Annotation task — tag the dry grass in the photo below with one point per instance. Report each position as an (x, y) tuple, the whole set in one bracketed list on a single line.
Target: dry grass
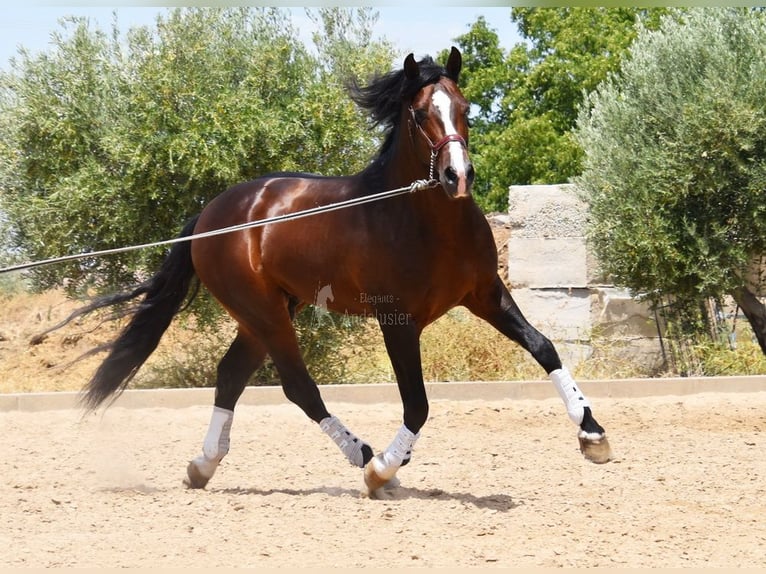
[(28, 367), (461, 347), (458, 347)]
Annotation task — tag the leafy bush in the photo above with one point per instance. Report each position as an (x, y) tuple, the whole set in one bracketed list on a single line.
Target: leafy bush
[(675, 163), (109, 140)]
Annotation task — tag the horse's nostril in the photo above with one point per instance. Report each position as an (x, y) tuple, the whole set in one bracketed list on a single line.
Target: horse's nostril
[(450, 174), (470, 173)]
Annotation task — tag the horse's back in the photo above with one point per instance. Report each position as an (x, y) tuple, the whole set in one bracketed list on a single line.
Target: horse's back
[(284, 255)]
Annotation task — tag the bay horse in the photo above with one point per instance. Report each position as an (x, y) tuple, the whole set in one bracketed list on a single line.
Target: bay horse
[(405, 261)]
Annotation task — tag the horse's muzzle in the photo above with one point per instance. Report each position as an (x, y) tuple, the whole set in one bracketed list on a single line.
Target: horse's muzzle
[(457, 180)]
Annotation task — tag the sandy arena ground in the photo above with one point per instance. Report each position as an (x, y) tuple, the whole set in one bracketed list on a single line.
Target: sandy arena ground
[(492, 483)]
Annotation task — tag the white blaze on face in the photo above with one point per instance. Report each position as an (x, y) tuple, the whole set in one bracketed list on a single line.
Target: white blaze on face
[(457, 156)]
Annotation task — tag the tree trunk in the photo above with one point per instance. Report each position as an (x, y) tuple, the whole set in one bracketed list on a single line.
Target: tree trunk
[(755, 311)]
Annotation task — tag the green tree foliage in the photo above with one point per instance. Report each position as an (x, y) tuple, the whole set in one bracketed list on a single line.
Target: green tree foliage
[(675, 164), (345, 44), (346, 51), (526, 99), (111, 140)]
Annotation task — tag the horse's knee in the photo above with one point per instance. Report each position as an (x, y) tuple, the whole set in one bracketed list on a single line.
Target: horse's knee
[(295, 395)]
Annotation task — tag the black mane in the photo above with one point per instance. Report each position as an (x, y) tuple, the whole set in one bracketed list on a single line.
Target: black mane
[(382, 98)]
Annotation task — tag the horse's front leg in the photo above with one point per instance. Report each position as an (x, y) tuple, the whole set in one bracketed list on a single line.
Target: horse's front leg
[(497, 307), (402, 339)]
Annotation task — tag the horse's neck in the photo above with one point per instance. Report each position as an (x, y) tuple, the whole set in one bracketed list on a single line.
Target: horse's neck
[(399, 168)]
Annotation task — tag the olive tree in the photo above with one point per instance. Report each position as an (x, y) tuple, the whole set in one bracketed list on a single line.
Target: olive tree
[(675, 161), (114, 139)]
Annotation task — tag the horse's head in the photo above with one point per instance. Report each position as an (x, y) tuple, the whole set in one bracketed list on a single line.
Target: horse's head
[(437, 119)]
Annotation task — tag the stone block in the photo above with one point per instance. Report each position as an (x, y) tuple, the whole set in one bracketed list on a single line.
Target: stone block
[(546, 263), (546, 211), (560, 314), (616, 314), (558, 283)]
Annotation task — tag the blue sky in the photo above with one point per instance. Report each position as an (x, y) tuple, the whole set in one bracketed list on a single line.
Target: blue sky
[(422, 30)]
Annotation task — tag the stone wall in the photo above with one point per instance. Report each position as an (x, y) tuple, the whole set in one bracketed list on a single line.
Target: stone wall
[(557, 284)]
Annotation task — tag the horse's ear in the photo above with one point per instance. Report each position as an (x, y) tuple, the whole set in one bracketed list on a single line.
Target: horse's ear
[(454, 64), (411, 68)]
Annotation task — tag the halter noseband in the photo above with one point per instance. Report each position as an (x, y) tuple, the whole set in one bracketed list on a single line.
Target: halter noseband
[(435, 147)]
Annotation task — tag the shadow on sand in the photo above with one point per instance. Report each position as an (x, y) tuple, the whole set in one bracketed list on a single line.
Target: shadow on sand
[(498, 502)]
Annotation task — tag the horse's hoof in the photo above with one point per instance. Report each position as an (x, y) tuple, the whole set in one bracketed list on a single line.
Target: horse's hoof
[(194, 478), (595, 450), (385, 492), (374, 479)]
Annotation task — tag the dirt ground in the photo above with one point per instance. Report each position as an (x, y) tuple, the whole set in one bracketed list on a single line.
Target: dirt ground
[(491, 484)]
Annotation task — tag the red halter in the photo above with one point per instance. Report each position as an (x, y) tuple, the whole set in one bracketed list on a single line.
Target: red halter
[(445, 140), (435, 147)]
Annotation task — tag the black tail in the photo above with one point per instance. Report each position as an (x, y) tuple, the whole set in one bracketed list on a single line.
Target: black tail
[(165, 293)]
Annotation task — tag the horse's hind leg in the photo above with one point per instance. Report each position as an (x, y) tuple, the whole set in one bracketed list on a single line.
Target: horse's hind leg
[(244, 356), (497, 307)]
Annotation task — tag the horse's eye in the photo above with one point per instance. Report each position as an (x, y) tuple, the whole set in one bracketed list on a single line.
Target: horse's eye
[(420, 116)]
